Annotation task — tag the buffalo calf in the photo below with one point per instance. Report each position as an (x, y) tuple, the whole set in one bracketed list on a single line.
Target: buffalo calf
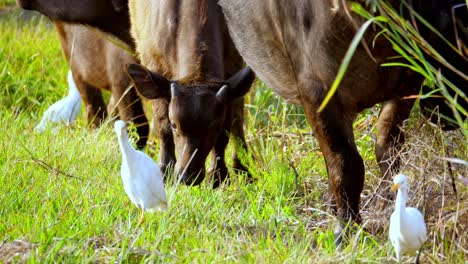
[(193, 72)]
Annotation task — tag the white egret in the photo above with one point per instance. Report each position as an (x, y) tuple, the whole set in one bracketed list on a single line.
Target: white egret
[(141, 176), (65, 110), (407, 228)]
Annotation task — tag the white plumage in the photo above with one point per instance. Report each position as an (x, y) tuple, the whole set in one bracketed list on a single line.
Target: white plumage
[(65, 110), (407, 228), (141, 176)]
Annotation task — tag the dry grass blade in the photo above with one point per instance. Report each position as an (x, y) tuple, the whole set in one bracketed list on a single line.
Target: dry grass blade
[(296, 174)]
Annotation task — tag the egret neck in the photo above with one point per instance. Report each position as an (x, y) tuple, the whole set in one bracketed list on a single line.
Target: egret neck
[(125, 146), (73, 92), (400, 206)]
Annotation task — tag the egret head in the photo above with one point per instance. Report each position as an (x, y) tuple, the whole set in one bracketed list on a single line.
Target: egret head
[(400, 182), (119, 127)]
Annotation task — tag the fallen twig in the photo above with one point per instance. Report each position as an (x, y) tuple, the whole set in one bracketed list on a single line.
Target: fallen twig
[(46, 166)]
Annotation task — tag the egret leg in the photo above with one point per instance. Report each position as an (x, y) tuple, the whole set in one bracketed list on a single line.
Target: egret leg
[(142, 217), (398, 254), (417, 257)]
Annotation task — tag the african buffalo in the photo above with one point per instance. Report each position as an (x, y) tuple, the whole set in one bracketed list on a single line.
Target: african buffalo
[(98, 64), (187, 55), (296, 47)]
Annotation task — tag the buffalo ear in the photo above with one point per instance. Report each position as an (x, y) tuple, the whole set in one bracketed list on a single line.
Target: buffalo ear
[(119, 5), (149, 84), (237, 86)]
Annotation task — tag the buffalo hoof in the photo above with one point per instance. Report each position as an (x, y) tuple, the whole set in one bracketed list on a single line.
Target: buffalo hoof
[(166, 170), (220, 176), (338, 233), (239, 168), (191, 179), (344, 229)]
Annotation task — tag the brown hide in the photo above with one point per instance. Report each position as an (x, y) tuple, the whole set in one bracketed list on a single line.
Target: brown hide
[(107, 15), (185, 44), (296, 47), (98, 64)]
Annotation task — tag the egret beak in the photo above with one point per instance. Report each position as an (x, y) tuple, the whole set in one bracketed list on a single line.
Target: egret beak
[(395, 186)]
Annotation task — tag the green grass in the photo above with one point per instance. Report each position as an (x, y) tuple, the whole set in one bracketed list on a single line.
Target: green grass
[(4, 3), (46, 216)]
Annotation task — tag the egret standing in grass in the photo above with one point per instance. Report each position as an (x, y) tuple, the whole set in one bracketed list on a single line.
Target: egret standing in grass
[(65, 110), (407, 228), (141, 176)]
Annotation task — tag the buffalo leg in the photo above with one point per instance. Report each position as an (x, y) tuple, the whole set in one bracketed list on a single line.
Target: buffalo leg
[(162, 126), (131, 109), (390, 139), (112, 107), (334, 132), (237, 131), (94, 103), (219, 169)]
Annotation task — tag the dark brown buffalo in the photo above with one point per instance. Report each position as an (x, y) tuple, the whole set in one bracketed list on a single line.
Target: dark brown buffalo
[(296, 47), (107, 15), (98, 64), (190, 72)]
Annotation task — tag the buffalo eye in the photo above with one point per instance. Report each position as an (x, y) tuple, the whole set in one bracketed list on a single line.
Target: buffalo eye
[(173, 126)]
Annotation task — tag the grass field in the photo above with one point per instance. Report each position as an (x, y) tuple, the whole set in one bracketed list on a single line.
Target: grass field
[(48, 216)]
